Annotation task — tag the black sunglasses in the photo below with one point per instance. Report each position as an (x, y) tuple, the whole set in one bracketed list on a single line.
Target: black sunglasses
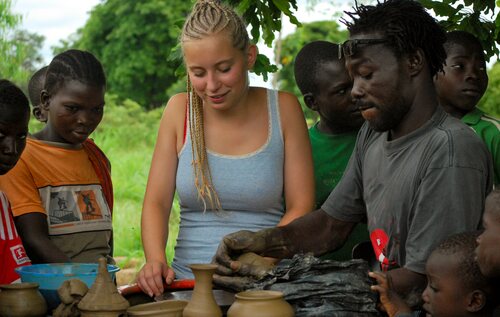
[(350, 47)]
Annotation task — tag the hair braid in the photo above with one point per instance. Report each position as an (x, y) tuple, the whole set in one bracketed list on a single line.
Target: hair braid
[(201, 169), (76, 65), (208, 17)]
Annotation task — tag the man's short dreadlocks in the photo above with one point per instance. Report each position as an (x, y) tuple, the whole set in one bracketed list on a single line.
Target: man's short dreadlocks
[(406, 25)]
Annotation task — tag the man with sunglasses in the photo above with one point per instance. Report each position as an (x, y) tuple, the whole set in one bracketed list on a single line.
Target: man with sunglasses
[(417, 175)]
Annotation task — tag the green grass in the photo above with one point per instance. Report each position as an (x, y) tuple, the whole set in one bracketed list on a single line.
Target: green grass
[(127, 135)]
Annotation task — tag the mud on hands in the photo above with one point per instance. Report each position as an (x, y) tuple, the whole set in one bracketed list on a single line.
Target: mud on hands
[(240, 258)]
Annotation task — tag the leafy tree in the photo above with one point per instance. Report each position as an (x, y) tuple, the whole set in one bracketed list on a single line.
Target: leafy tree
[(264, 18), (19, 49), (291, 45), (133, 40), (479, 17)]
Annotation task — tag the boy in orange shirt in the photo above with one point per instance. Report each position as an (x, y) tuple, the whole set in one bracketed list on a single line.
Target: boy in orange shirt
[(61, 202)]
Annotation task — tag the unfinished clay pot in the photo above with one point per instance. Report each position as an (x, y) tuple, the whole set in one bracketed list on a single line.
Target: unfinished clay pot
[(260, 303), (71, 293), (103, 298), (23, 300), (72, 290), (168, 308), (202, 303)]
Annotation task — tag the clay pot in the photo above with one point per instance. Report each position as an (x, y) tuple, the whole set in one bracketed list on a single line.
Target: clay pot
[(23, 300), (202, 303), (260, 303), (169, 308), (103, 298)]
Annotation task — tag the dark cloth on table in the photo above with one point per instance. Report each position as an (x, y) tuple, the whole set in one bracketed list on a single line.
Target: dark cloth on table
[(316, 287)]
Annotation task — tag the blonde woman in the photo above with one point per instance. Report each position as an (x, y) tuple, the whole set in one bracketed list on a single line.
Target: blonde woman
[(235, 154)]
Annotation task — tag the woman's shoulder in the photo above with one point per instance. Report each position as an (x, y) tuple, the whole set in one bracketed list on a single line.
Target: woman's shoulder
[(177, 103), (173, 120), (175, 108), (289, 104)]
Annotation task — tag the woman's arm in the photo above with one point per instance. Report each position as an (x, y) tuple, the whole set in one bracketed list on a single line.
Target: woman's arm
[(159, 197), (298, 169)]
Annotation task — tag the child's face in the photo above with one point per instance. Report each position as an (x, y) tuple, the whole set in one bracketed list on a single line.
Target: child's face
[(13, 132), (73, 112), (218, 70), (487, 251), (333, 100), (465, 79), (444, 295)]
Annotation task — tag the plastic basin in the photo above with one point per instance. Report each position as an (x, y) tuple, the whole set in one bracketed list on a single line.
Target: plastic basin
[(50, 277)]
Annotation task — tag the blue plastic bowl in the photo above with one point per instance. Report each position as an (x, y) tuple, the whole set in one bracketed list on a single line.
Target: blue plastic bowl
[(51, 276)]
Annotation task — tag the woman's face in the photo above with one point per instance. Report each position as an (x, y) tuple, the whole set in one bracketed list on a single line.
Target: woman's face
[(218, 70)]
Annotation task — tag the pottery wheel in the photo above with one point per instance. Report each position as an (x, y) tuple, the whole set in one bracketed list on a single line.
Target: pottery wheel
[(223, 298)]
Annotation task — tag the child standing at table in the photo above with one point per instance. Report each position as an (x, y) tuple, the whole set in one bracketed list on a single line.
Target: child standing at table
[(461, 86), (14, 118), (455, 285), (61, 203), (326, 88)]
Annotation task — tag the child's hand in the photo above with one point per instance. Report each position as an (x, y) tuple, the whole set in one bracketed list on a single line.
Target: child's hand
[(391, 302)]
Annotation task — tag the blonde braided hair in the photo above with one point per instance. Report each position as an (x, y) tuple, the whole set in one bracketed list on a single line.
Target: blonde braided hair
[(208, 17)]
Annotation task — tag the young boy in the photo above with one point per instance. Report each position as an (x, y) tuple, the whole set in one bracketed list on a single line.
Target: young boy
[(461, 86), (35, 87), (325, 84), (455, 285), (487, 251), (14, 118)]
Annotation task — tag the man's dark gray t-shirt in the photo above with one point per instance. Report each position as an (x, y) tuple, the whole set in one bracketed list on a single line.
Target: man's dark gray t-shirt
[(416, 190)]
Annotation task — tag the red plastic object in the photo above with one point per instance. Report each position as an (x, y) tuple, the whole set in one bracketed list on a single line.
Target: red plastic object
[(176, 285)]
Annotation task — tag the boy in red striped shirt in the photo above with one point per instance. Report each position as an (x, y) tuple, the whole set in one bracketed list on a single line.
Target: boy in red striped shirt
[(14, 118)]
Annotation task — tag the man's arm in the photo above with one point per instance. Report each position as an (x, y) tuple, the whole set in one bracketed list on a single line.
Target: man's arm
[(316, 232), (33, 230)]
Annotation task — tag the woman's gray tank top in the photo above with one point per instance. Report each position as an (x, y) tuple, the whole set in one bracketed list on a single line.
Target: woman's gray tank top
[(250, 189)]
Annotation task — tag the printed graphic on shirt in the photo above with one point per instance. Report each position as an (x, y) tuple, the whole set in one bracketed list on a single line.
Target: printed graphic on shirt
[(19, 254), (75, 208)]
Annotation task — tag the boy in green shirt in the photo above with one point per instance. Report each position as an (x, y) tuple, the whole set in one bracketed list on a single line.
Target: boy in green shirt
[(462, 85), (326, 87)]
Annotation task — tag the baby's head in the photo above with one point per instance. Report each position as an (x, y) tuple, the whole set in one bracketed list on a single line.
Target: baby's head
[(14, 118), (464, 80), (455, 285), (487, 251), (326, 86)]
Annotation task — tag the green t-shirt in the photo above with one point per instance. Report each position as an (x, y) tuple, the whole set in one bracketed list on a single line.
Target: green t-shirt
[(331, 153), (488, 129)]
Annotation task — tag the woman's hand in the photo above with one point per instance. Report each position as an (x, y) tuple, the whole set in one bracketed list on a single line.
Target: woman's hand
[(152, 277)]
